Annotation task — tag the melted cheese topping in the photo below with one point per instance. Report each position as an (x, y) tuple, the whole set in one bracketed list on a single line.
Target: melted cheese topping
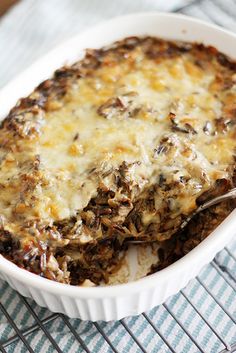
[(87, 133), (111, 141)]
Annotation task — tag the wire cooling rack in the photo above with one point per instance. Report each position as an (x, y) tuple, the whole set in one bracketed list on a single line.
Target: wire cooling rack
[(222, 268), (206, 322)]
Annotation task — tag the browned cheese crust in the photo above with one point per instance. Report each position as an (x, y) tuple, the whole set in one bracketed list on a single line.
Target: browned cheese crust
[(183, 125)]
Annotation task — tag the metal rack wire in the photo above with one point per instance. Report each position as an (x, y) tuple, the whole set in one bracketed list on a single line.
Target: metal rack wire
[(223, 272), (41, 324)]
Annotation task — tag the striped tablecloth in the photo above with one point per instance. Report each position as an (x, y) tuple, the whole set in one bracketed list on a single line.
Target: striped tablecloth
[(30, 29)]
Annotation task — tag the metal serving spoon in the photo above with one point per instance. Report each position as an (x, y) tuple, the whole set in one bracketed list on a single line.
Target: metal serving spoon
[(229, 195)]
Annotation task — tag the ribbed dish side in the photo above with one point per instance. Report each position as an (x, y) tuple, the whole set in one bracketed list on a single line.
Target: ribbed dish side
[(113, 308)]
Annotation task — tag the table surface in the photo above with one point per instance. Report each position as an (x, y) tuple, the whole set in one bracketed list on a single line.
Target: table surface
[(5, 5)]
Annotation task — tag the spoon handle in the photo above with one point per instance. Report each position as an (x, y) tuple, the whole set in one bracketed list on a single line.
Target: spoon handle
[(229, 195)]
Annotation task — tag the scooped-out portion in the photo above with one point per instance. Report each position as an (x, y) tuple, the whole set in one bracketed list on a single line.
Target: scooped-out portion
[(122, 145)]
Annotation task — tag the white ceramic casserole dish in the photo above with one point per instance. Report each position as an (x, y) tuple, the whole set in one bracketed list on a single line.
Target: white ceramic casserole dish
[(118, 301)]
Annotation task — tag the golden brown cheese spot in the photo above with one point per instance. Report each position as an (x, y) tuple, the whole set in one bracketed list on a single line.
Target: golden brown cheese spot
[(122, 111)]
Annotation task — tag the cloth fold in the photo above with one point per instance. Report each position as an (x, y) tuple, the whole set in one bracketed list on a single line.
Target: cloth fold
[(33, 27)]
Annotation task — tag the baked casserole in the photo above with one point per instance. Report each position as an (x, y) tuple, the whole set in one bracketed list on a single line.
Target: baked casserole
[(123, 145)]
